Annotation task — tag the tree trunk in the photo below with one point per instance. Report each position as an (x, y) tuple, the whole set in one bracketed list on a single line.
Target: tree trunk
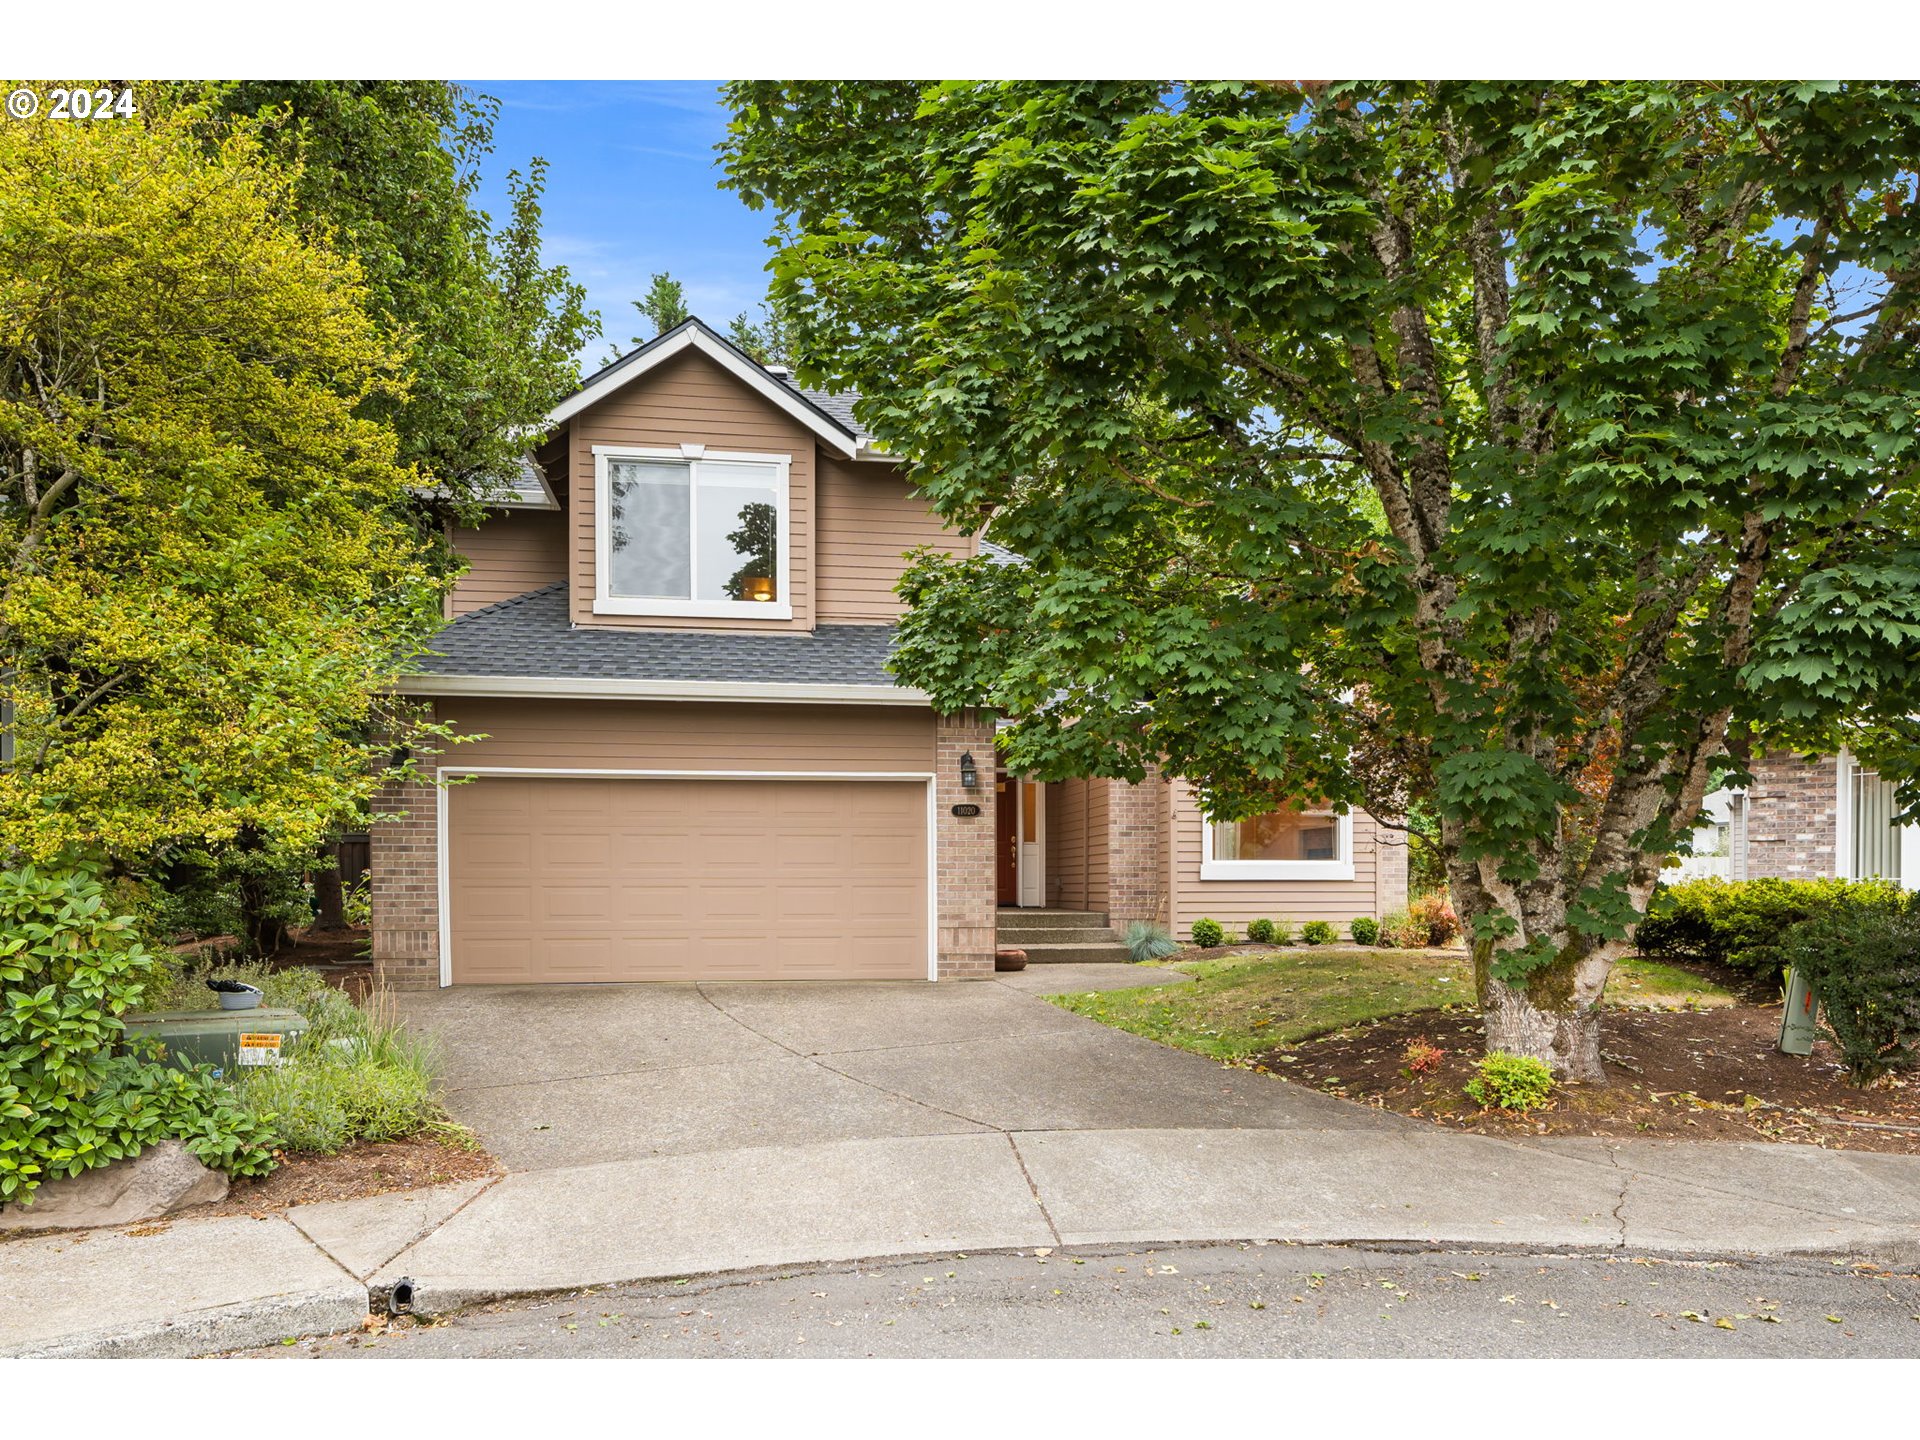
[(266, 935), (1554, 1016)]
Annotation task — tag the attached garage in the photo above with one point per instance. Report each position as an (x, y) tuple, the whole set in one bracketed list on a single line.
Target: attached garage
[(599, 878)]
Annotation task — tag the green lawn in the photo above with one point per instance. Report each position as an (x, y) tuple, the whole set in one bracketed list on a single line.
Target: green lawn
[(1240, 1005)]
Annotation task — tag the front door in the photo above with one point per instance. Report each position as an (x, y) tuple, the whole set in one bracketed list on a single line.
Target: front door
[(1006, 840)]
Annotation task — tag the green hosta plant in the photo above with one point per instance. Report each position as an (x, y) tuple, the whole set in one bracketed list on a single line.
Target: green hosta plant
[(1510, 1082)]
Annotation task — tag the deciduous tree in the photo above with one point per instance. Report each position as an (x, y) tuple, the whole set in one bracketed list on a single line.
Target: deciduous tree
[(1544, 431), (208, 569)]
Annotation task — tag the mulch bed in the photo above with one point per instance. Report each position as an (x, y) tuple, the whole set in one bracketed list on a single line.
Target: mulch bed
[(1684, 1075), (340, 956), (369, 1168)]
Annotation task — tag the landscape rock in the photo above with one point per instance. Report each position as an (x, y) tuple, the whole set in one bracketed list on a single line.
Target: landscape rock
[(160, 1180)]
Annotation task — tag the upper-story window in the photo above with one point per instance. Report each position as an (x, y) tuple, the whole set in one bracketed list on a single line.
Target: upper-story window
[(691, 531), (1291, 843)]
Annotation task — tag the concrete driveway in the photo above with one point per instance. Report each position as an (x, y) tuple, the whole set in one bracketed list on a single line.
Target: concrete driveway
[(553, 1076)]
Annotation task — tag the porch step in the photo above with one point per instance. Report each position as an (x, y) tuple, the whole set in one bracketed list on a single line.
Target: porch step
[(1029, 935), (1109, 953), (1051, 919)]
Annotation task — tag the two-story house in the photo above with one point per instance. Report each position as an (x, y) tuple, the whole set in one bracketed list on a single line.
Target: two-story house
[(673, 637)]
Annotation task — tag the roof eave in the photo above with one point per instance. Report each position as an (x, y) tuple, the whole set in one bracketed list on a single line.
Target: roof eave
[(589, 687)]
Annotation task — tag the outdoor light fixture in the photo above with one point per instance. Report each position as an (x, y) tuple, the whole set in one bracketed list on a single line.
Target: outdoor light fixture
[(757, 587), (969, 772)]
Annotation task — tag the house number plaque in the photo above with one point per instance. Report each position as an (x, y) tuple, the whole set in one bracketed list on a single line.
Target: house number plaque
[(967, 811)]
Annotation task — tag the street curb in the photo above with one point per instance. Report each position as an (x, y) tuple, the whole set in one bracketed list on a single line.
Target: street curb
[(244, 1325), (1901, 1256)]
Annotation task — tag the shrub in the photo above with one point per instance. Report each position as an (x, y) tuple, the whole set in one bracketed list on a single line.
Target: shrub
[(1863, 962), (376, 1084), (1364, 929), (1744, 923), (1510, 1082), (1318, 932), (1423, 1057), (1207, 933), (1260, 931), (71, 968), (1402, 931), (1146, 940), (1434, 914)]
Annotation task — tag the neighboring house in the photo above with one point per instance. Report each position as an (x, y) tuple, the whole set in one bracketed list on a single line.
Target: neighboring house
[(1804, 818), (673, 638)]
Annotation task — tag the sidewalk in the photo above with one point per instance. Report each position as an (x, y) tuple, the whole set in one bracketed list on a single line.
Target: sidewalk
[(192, 1287)]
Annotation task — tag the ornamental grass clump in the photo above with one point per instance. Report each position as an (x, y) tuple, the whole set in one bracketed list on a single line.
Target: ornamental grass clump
[(1510, 1082), (1148, 940)]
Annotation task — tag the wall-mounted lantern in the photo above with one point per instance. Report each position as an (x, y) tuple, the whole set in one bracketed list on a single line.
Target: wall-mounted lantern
[(969, 772)]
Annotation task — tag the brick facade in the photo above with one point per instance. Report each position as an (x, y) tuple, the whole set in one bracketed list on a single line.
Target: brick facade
[(404, 885), (1136, 850), (1389, 870), (963, 847), (1791, 819)]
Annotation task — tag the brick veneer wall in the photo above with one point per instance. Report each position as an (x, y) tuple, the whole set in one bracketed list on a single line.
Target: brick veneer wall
[(1389, 870), (963, 847), (1792, 817), (1136, 850), (404, 885)]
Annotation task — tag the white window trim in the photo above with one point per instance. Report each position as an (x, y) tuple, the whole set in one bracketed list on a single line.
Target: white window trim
[(1212, 869), (692, 456)]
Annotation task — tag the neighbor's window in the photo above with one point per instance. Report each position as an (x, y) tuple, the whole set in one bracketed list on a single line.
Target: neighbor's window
[(693, 535), (1293, 842)]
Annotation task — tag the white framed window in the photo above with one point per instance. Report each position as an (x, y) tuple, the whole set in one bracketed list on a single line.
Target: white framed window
[(690, 531), (1289, 843)]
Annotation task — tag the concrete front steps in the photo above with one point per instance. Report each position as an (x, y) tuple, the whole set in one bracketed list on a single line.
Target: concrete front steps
[(1061, 937)]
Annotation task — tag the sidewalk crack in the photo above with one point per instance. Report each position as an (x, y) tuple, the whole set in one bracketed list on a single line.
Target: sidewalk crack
[(1027, 1175)]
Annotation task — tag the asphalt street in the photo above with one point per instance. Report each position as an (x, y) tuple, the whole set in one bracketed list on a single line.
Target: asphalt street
[(1210, 1300)]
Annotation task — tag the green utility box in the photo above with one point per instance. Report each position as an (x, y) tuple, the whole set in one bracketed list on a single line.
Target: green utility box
[(224, 1039), (1799, 1017)]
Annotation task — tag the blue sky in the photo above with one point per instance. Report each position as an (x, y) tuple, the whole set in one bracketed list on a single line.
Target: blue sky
[(632, 188)]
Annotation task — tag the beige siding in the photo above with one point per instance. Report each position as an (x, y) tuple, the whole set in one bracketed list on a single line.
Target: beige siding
[(657, 735), (513, 552), (689, 400), (869, 517), (1076, 844), (1235, 902)]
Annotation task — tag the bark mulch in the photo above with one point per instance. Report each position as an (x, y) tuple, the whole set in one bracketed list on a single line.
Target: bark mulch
[(369, 1168), (1686, 1075)]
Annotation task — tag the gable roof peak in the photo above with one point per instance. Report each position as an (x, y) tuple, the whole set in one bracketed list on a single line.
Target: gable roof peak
[(829, 417)]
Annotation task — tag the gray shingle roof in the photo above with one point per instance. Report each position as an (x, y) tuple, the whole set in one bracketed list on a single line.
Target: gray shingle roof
[(533, 635)]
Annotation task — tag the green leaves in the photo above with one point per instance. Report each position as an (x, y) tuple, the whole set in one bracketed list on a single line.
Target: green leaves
[(1511, 445)]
